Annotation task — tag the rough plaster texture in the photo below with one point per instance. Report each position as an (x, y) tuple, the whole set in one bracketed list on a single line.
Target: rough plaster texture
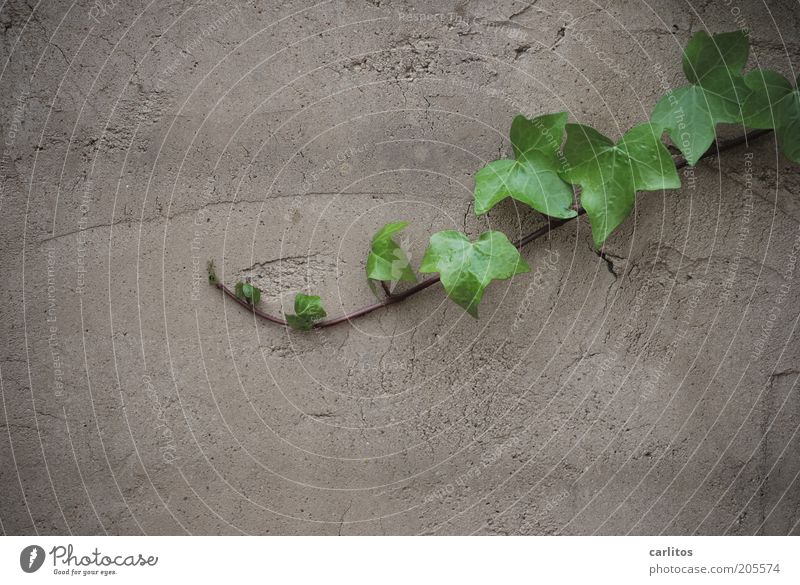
[(653, 391)]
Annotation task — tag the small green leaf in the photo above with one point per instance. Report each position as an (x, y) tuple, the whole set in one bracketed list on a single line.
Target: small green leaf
[(533, 178), (705, 55), (610, 175), (308, 310), (248, 292), (387, 260), (212, 273), (251, 293), (467, 268), (690, 113), (774, 103)]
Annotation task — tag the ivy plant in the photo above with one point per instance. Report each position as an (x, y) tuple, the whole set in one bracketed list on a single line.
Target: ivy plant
[(610, 174), (586, 173), (774, 103), (248, 292), (387, 261), (690, 114), (533, 177), (467, 268), (308, 310)]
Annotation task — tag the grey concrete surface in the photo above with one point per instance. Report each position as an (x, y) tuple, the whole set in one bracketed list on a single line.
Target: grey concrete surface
[(651, 392)]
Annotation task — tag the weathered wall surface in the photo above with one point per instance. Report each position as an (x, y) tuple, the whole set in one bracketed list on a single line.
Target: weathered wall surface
[(656, 392)]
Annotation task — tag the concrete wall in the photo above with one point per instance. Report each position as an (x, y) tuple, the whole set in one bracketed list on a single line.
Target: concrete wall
[(653, 391)]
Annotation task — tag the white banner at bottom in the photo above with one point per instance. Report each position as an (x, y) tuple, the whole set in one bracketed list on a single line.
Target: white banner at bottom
[(372, 560)]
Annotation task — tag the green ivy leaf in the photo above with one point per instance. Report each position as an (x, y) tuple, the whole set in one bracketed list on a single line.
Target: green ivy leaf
[(543, 134), (774, 103), (308, 310), (251, 293), (762, 106), (212, 272), (533, 178), (387, 260), (610, 175), (467, 268), (690, 113), (788, 130), (248, 292), (704, 55)]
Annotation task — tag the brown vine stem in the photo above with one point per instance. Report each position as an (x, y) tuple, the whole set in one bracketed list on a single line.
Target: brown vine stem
[(397, 297)]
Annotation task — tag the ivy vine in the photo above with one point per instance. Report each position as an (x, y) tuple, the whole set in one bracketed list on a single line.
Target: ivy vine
[(586, 174)]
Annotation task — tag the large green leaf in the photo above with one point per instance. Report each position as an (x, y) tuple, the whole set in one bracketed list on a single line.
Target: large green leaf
[(690, 113), (543, 134), (467, 268), (774, 103), (768, 89), (788, 130), (387, 260), (610, 175), (308, 310), (705, 55), (533, 178)]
